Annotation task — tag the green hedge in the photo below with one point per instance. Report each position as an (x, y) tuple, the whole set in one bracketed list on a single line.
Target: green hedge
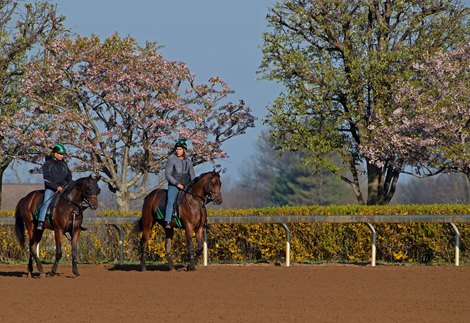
[(396, 243)]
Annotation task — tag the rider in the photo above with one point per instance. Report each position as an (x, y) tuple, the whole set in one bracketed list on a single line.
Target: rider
[(179, 172), (56, 176)]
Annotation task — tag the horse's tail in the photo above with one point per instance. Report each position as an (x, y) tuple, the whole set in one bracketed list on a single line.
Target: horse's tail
[(19, 226), (138, 226)]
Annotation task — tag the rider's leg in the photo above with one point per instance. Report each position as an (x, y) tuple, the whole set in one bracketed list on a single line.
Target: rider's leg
[(45, 204), (171, 197)]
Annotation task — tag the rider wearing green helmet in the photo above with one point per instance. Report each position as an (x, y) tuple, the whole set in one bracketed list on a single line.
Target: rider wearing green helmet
[(56, 175), (179, 172), (58, 148)]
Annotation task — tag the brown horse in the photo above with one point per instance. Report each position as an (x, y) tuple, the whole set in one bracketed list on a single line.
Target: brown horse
[(192, 215), (67, 216)]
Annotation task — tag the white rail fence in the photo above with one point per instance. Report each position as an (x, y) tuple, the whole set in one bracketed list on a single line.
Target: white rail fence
[(283, 220)]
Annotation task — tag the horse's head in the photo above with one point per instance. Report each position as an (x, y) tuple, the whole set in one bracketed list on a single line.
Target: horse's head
[(212, 187), (91, 191)]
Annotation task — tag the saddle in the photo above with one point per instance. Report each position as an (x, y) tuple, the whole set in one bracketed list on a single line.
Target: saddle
[(49, 210), (175, 215)]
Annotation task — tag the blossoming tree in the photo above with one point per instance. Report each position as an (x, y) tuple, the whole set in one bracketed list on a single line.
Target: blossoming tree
[(430, 128), (126, 106), (24, 30)]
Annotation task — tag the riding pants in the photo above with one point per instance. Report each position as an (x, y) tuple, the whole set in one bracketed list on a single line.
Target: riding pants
[(171, 197), (48, 194)]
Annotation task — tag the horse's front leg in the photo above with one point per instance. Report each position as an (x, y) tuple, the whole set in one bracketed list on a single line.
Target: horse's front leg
[(168, 238), (33, 243), (58, 250), (76, 234), (191, 255)]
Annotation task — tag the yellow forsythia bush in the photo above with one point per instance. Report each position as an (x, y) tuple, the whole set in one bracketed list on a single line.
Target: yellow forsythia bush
[(317, 242)]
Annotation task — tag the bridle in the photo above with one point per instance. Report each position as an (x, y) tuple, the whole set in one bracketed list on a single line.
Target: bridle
[(206, 198), (82, 206)]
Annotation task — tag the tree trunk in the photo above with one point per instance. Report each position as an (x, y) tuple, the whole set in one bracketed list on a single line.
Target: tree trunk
[(467, 188), (122, 200), (3, 167), (381, 184)]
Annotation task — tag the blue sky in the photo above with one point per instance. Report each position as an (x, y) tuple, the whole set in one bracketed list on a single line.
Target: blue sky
[(213, 37)]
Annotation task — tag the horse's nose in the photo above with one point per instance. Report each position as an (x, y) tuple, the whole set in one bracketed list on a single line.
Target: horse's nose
[(93, 202)]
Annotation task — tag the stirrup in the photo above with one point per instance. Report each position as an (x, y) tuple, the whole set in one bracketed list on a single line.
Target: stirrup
[(40, 226), (167, 225)]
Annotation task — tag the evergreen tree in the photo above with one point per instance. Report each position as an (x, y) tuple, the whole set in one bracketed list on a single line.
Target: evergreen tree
[(300, 185)]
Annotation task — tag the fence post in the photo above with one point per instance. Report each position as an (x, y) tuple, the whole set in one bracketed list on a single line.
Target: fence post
[(287, 243), (374, 240), (121, 243), (204, 248), (457, 243)]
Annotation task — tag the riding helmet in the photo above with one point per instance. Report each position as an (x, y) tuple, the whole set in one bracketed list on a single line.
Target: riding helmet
[(181, 143), (58, 148)]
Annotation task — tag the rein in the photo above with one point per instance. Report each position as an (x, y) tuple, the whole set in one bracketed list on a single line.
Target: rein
[(205, 199), (81, 208)]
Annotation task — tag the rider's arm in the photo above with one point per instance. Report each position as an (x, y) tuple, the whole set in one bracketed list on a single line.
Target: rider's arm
[(47, 175), (169, 171), (68, 178), (191, 171)]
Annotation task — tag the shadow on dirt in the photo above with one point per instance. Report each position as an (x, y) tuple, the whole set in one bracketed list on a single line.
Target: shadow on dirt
[(161, 267), (13, 274)]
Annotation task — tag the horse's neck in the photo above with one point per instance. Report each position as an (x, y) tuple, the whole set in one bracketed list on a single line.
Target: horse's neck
[(74, 194), (197, 189)]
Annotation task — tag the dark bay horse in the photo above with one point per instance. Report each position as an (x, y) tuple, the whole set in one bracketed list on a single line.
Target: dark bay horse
[(192, 214), (67, 217)]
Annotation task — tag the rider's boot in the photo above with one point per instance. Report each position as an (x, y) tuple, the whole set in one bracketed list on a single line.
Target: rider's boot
[(40, 226)]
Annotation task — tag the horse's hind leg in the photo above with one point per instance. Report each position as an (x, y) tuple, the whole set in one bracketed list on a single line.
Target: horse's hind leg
[(143, 251), (168, 238), (143, 246), (58, 252), (32, 254), (30, 265)]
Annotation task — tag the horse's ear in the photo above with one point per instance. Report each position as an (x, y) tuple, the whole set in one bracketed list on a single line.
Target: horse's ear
[(97, 178), (217, 169)]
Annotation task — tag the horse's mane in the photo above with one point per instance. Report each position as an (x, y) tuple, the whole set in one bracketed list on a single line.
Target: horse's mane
[(196, 179), (70, 186), (73, 183)]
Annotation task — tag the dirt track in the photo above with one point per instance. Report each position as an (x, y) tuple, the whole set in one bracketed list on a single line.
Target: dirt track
[(317, 293)]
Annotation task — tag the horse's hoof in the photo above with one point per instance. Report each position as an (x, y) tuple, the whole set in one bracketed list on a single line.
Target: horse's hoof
[(190, 268)]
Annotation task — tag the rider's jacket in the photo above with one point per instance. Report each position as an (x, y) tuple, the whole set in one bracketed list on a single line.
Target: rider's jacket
[(56, 173), (179, 171)]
